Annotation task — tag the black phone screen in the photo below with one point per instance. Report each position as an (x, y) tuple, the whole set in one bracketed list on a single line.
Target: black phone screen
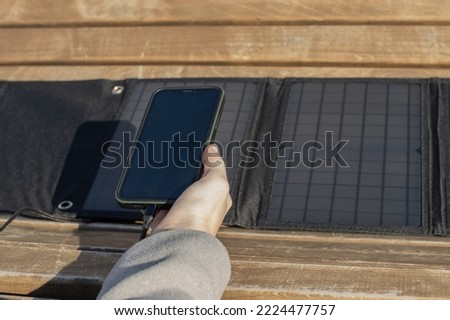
[(166, 156)]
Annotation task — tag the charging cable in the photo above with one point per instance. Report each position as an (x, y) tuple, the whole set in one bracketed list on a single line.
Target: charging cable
[(149, 215), (35, 213)]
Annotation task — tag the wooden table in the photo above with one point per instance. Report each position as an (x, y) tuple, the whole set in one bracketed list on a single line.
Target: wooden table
[(48, 40)]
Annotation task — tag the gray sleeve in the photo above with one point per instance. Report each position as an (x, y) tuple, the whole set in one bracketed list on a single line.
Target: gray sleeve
[(175, 264)]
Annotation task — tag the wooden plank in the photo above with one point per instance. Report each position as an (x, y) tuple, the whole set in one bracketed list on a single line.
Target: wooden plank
[(292, 46), (71, 236), (320, 266), (16, 297), (322, 249), (50, 259), (41, 260), (137, 12), (64, 73), (121, 235), (333, 237), (108, 241), (336, 281), (233, 293), (343, 254), (46, 224), (307, 277), (53, 273)]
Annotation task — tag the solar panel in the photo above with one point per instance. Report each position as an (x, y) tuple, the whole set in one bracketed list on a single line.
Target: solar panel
[(381, 185), (240, 95)]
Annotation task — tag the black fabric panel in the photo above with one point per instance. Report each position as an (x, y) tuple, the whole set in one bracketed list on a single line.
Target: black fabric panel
[(430, 101), (435, 158), (253, 183), (443, 133), (51, 134), (235, 216)]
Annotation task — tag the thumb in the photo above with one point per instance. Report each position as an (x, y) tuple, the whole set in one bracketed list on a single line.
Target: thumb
[(213, 161)]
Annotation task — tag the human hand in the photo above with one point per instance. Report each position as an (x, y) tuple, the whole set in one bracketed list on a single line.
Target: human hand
[(204, 204)]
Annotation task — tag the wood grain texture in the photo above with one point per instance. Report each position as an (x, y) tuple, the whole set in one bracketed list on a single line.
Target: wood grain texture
[(206, 38), (64, 73), (320, 266), (139, 12), (324, 46), (15, 297), (337, 281), (101, 237), (53, 272), (54, 260)]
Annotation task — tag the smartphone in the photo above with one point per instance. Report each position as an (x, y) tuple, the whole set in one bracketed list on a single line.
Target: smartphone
[(166, 156)]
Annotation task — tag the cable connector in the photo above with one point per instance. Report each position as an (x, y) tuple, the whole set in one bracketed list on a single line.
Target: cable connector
[(149, 214)]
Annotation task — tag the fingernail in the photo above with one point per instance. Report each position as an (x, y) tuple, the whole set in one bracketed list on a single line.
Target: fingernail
[(213, 149)]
